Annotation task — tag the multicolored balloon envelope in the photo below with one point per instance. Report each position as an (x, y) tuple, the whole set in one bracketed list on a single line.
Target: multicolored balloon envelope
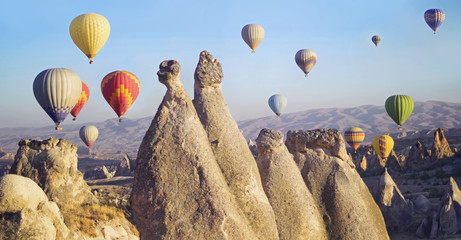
[(383, 145), (253, 34), (120, 89), (89, 134), (57, 90), (399, 108), (89, 32), (354, 137), (81, 101), (434, 18), (376, 39), (306, 60), (277, 103)]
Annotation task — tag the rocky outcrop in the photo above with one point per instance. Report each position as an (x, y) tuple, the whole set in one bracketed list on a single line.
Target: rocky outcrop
[(295, 209), (230, 148), (52, 164), (179, 191), (99, 172), (124, 168), (440, 148), (418, 157), (25, 208), (394, 208), (347, 207), (422, 204), (395, 162)]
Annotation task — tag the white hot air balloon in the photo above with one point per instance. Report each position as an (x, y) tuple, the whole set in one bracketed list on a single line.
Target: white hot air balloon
[(253, 34), (89, 134), (306, 59), (277, 103)]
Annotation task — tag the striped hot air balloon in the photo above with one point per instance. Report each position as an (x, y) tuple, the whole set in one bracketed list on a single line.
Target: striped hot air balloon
[(120, 89), (81, 101), (253, 34), (57, 90), (376, 39), (383, 145), (399, 108), (306, 59), (89, 134), (277, 103), (434, 18), (89, 32), (354, 137)]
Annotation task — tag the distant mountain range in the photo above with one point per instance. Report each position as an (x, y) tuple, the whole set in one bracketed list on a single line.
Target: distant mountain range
[(118, 138)]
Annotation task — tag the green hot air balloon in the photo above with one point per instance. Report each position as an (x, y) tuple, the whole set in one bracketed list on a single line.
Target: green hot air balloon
[(399, 108)]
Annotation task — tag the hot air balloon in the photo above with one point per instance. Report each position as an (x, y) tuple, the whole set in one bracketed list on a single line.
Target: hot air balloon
[(277, 103), (399, 108), (434, 18), (88, 134), (354, 137), (57, 90), (376, 39), (306, 59), (253, 34), (81, 101), (120, 89), (89, 32), (383, 145)]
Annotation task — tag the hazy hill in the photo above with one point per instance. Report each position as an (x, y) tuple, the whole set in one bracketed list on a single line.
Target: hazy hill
[(116, 138)]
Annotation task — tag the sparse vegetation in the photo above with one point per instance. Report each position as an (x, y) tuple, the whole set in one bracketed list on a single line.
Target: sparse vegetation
[(456, 171), (85, 217), (424, 176), (9, 229), (436, 192), (440, 173)]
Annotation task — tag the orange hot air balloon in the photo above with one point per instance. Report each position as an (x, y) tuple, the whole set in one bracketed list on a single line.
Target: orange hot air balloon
[(120, 89), (81, 101)]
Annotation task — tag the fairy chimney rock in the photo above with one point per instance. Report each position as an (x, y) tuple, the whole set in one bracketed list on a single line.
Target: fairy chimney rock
[(179, 191), (343, 199), (440, 148), (295, 209), (230, 148), (52, 164)]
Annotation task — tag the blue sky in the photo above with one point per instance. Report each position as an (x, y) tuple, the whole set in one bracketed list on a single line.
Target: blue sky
[(350, 70)]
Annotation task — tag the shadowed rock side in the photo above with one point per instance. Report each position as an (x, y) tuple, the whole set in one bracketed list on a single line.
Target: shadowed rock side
[(396, 212), (344, 201), (295, 209), (179, 192), (52, 164), (230, 148)]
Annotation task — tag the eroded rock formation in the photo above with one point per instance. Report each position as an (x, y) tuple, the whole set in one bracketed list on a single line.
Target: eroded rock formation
[(440, 148), (230, 148), (295, 209), (344, 201), (397, 214), (52, 164), (179, 191), (418, 157)]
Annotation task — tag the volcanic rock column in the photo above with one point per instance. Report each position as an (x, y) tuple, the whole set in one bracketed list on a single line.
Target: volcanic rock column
[(343, 199), (230, 148), (179, 191), (295, 209)]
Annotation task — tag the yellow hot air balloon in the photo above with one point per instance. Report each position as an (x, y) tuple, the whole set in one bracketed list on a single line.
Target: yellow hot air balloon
[(354, 137), (383, 145), (89, 32), (306, 59), (253, 34)]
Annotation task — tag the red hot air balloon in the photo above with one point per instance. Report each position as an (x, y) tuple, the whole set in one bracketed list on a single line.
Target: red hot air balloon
[(120, 89), (81, 101)]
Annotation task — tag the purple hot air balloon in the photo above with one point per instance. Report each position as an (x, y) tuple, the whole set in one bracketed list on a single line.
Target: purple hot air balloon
[(434, 18)]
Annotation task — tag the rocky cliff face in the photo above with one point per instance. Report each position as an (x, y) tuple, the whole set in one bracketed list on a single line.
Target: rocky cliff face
[(230, 148), (179, 190), (418, 157), (52, 164), (347, 207)]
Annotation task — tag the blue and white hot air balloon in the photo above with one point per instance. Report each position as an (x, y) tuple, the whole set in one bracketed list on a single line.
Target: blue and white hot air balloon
[(277, 103)]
